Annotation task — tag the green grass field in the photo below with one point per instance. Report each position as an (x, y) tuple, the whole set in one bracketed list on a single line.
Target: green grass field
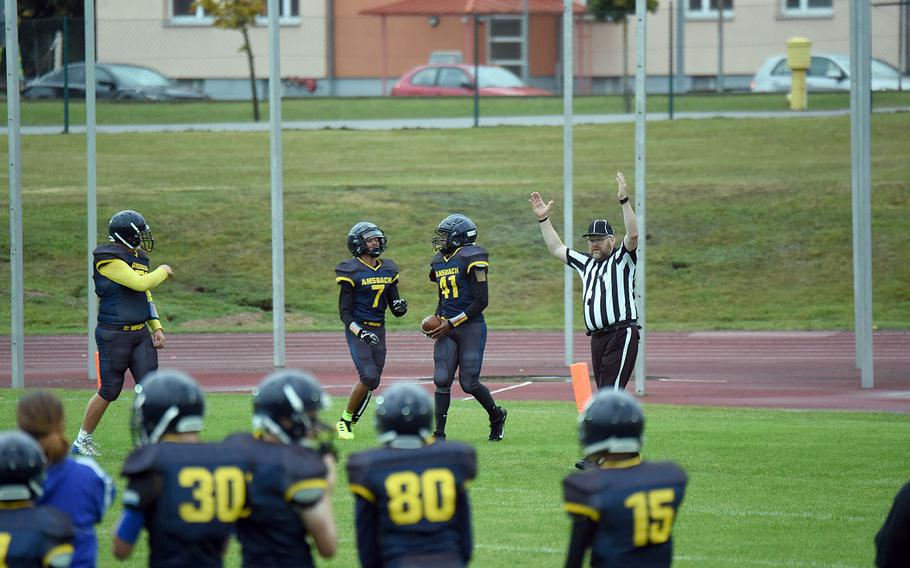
[(767, 487), (748, 221), (44, 113)]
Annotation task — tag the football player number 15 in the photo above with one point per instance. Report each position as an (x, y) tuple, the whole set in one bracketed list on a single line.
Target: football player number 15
[(413, 497), (652, 515), (220, 493)]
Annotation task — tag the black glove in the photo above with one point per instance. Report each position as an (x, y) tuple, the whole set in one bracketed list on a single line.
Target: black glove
[(399, 307), (368, 337)]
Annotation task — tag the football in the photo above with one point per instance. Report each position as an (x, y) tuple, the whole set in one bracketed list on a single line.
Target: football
[(430, 323)]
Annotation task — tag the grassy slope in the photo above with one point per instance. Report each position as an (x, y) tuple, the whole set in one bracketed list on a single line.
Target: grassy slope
[(748, 221), (767, 487)]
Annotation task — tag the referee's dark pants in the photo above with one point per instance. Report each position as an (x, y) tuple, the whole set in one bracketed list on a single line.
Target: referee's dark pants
[(613, 352)]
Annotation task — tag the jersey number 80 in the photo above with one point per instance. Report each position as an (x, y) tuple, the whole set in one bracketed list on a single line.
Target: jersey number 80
[(412, 497)]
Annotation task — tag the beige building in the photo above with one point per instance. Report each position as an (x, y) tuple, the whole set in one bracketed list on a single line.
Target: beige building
[(335, 42)]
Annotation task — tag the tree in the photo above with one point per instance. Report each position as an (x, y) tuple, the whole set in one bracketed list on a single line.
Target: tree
[(238, 15), (618, 11)]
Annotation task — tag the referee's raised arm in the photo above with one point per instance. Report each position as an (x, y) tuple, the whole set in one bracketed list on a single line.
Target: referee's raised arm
[(628, 214), (542, 212)]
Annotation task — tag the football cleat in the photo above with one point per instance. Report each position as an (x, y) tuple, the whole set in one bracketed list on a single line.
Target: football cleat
[(86, 447), (584, 463), (343, 427), (497, 427)]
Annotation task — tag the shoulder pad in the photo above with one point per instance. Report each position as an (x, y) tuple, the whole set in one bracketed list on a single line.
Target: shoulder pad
[(56, 523), (238, 438), (465, 455), (390, 264), (142, 459), (109, 252), (474, 253), (436, 258), (358, 466), (346, 266)]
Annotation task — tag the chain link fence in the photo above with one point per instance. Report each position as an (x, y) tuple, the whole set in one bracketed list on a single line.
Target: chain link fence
[(149, 59)]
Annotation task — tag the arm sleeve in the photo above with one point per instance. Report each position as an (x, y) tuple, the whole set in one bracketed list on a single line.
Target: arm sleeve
[(346, 304), (583, 530), (130, 525), (465, 530), (479, 292), (391, 292), (367, 523), (119, 272)]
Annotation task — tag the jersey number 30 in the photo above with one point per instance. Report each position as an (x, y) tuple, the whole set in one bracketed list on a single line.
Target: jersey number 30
[(413, 497), (220, 493), (652, 514)]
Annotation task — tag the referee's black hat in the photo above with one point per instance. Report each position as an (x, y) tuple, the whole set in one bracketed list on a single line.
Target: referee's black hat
[(599, 228)]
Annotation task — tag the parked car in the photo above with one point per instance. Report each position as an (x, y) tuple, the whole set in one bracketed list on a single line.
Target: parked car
[(112, 81), (457, 80), (827, 72)]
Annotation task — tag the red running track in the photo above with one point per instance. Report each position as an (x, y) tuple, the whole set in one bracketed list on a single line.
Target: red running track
[(766, 369)]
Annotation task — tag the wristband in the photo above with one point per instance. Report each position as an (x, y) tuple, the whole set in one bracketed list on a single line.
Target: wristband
[(624, 200), (542, 220)]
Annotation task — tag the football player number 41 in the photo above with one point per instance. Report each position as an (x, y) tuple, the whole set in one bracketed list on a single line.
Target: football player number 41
[(652, 514), (413, 497)]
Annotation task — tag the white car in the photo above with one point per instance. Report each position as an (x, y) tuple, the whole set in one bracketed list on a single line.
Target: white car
[(827, 72)]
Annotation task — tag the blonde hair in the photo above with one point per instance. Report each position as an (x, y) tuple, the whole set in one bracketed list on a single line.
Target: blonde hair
[(40, 414)]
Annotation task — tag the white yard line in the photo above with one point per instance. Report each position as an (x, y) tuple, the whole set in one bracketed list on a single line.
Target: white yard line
[(524, 384)]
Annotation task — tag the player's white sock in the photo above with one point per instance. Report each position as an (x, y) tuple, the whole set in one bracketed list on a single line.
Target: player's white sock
[(82, 435)]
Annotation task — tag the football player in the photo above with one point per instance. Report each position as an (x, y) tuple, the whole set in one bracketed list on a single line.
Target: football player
[(129, 333), (185, 493), (29, 535), (624, 508), (459, 270), (290, 491), (368, 286), (892, 542), (411, 501)]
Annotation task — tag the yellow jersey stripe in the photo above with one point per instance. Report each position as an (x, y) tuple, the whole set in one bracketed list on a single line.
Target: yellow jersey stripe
[(59, 550), (363, 492), (584, 510), (478, 264), (621, 464), (303, 485), (341, 279)]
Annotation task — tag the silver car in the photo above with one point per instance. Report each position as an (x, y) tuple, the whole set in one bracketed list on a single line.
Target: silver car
[(827, 72)]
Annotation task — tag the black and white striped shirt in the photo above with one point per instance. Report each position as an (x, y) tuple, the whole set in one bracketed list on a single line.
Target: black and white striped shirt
[(608, 285)]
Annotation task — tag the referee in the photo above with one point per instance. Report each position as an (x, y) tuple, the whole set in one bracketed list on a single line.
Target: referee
[(607, 274)]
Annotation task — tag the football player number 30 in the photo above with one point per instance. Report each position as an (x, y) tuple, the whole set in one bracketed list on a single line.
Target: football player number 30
[(218, 494), (413, 497), (652, 514)]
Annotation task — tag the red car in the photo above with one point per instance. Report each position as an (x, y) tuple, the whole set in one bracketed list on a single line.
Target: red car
[(457, 80)]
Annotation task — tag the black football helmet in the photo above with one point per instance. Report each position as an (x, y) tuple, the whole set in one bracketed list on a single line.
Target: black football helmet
[(21, 467), (129, 228), (404, 416), (286, 404), (358, 235), (167, 402), (454, 231), (613, 422)]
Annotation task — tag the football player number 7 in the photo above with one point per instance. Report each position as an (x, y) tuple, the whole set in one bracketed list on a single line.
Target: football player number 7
[(652, 515), (412, 497)]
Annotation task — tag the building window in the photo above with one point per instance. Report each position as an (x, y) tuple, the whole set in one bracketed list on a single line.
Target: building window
[(808, 7), (185, 12), (708, 9), (288, 11)]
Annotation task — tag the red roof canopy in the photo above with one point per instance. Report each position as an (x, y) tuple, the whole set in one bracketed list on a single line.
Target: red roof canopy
[(469, 7)]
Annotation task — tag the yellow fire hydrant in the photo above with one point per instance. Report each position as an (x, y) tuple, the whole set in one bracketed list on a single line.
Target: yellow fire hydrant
[(799, 59)]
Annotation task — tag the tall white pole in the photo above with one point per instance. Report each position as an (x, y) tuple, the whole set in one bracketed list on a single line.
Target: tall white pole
[(278, 331), (91, 182), (568, 84), (14, 152), (641, 11), (861, 181)]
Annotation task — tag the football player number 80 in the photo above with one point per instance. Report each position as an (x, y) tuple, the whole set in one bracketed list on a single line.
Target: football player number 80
[(413, 497), (220, 493), (652, 514)]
